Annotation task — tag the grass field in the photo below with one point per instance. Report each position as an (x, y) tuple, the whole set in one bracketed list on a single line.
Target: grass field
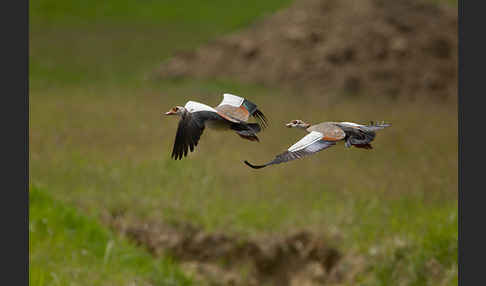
[(98, 143), (90, 254)]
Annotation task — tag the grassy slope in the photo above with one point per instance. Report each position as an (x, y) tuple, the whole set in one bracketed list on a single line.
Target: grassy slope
[(68, 248), (98, 141)]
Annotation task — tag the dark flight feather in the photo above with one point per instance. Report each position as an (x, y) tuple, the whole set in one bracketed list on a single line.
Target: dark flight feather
[(188, 133), (288, 156)]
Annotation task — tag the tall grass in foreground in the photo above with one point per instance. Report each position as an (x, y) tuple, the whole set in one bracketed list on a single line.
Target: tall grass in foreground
[(67, 248)]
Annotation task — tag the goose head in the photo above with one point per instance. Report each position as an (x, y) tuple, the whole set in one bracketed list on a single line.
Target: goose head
[(298, 124), (176, 110)]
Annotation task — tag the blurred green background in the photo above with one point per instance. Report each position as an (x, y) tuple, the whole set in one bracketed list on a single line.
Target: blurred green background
[(98, 144)]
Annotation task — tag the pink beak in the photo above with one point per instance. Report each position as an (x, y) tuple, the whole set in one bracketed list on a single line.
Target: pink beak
[(288, 125), (169, 112)]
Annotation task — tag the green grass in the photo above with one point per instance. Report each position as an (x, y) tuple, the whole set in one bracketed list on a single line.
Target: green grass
[(68, 38), (112, 152), (426, 255), (98, 142), (228, 14), (452, 3), (68, 248)]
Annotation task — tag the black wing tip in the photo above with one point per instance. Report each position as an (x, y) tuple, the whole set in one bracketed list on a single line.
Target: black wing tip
[(254, 166), (261, 118), (178, 156)]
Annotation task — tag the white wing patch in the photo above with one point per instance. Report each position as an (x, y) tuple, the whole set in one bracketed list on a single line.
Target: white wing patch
[(306, 141), (231, 99), (193, 106), (317, 146), (351, 124)]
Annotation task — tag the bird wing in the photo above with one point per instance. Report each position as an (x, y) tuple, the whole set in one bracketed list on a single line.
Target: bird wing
[(309, 144), (197, 107), (189, 131), (240, 109), (231, 99), (194, 106), (358, 134), (372, 126), (235, 113)]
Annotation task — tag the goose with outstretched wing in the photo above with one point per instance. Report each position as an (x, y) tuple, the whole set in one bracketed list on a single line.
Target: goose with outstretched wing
[(325, 135), (232, 113)]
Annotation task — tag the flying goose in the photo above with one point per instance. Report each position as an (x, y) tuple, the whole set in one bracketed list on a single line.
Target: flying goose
[(324, 135), (231, 114)]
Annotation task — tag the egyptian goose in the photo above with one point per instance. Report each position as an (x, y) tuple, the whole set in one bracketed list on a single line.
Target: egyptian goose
[(231, 114), (324, 135)]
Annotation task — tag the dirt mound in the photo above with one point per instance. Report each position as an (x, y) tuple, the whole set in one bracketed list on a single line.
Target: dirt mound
[(376, 47), (301, 258)]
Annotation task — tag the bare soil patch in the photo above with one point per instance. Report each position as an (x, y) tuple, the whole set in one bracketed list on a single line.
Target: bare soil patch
[(300, 258), (399, 48)]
